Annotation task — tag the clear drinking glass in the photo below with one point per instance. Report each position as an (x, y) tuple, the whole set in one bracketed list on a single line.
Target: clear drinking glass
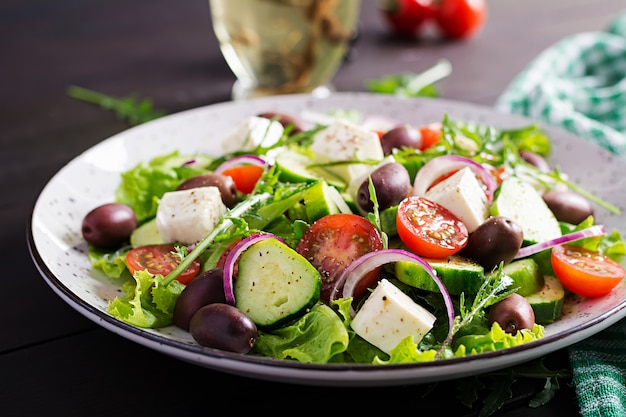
[(284, 46)]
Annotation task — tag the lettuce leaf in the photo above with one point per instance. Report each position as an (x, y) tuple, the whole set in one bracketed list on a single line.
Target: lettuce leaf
[(316, 337)]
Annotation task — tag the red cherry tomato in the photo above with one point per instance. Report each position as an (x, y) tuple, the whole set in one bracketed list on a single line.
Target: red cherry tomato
[(160, 259), (431, 135), (333, 242), (429, 229), (405, 17), (585, 272), (244, 176), (458, 19)]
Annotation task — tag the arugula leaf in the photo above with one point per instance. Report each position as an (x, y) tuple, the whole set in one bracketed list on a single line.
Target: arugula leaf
[(128, 108), (410, 84)]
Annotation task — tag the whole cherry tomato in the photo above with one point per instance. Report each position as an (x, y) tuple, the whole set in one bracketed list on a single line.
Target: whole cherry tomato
[(405, 17), (459, 19)]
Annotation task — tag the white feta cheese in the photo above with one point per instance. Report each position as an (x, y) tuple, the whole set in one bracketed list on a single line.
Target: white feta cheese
[(187, 216), (344, 141), (251, 133), (389, 315), (463, 196)]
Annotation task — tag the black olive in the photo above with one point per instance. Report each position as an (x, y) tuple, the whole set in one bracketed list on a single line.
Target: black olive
[(401, 136), (497, 239), (109, 225), (535, 159), (391, 183), (228, 189), (222, 326), (284, 119), (567, 206), (206, 288), (512, 314)]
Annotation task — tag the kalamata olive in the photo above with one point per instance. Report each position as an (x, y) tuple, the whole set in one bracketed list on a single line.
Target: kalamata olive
[(222, 326), (535, 159), (401, 136), (206, 288), (227, 187), (497, 239), (284, 119), (109, 225), (512, 314), (392, 184), (567, 206)]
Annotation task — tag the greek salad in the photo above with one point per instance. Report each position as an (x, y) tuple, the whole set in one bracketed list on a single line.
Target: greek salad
[(350, 238)]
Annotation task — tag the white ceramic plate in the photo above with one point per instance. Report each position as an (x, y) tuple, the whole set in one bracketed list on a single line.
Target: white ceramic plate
[(90, 179)]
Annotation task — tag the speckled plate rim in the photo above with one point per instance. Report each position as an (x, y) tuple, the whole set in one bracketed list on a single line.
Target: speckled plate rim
[(59, 253)]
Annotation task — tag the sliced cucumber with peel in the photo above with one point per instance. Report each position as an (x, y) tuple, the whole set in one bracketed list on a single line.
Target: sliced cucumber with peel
[(146, 234), (458, 274), (321, 200), (275, 284), (547, 303), (297, 167), (520, 202), (525, 275)]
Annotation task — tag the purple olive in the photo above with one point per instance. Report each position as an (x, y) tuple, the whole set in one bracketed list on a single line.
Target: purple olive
[(401, 136), (228, 189), (567, 206), (206, 288), (109, 225), (512, 314), (223, 326)]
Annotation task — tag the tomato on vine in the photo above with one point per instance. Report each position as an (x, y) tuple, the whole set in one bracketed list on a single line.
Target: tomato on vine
[(406, 17), (460, 19)]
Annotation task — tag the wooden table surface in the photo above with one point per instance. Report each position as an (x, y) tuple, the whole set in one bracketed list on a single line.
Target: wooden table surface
[(53, 361)]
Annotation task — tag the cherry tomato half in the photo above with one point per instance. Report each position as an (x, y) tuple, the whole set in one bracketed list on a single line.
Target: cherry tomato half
[(458, 19), (244, 176), (405, 17), (333, 242), (431, 135), (160, 259), (585, 272), (429, 229)]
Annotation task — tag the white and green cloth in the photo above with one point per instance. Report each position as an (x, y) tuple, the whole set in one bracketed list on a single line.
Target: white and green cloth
[(579, 84)]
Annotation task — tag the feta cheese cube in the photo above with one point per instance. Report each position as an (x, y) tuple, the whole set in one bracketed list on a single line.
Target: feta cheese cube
[(187, 216), (251, 133), (389, 315), (345, 141), (463, 196)]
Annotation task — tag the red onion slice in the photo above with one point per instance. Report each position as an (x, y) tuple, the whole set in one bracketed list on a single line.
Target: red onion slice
[(233, 257), (443, 165), (241, 160), (596, 230), (354, 272)]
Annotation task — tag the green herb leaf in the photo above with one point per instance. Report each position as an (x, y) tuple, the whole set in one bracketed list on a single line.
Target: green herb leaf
[(128, 108), (410, 84)]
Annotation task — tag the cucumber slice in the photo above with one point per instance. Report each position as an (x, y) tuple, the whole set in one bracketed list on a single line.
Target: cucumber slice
[(296, 167), (321, 200), (526, 276), (519, 201), (547, 303), (275, 284), (458, 274), (146, 234)]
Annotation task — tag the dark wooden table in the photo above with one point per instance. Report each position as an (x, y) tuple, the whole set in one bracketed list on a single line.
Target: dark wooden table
[(53, 361)]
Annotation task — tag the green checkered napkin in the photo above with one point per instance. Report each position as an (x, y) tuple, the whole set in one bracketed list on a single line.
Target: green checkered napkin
[(579, 84)]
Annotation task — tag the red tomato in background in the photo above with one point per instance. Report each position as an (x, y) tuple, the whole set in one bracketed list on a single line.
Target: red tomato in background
[(244, 176), (459, 19), (160, 259), (333, 242), (429, 229), (405, 17), (585, 272)]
